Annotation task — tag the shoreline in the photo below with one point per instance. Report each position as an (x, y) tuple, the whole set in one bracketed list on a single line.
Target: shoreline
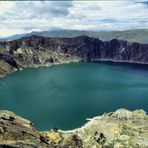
[(35, 66), (107, 61), (112, 129), (120, 61)]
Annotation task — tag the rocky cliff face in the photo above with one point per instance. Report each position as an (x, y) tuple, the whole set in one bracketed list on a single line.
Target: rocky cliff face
[(119, 129), (36, 51)]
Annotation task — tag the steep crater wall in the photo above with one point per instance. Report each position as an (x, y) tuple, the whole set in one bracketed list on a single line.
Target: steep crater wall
[(37, 51)]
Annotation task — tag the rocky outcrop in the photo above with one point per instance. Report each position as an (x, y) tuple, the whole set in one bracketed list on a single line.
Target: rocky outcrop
[(119, 129), (36, 51), (16, 131)]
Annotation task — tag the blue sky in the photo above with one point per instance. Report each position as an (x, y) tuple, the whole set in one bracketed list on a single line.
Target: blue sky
[(23, 17)]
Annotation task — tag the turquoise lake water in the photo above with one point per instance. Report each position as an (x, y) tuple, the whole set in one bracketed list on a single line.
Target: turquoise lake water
[(63, 96)]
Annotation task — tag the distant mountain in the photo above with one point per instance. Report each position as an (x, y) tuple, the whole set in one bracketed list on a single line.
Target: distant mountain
[(14, 37), (140, 36)]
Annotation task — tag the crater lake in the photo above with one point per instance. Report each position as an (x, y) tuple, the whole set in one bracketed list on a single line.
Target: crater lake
[(63, 96)]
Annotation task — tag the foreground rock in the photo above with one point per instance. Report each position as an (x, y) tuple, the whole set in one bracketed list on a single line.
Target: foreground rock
[(16, 131), (40, 51), (119, 129)]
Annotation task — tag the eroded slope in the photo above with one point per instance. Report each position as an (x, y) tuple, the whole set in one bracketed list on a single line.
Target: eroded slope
[(119, 129)]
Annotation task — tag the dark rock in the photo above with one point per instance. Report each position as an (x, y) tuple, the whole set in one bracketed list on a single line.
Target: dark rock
[(100, 138), (9, 60), (38, 50)]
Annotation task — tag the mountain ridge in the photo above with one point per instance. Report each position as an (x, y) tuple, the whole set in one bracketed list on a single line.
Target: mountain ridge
[(137, 35)]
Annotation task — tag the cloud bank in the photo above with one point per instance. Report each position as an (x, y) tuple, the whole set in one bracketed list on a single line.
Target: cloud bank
[(26, 16)]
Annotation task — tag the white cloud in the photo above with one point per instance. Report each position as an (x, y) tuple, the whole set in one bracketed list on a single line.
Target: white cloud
[(21, 17), (5, 6), (8, 31)]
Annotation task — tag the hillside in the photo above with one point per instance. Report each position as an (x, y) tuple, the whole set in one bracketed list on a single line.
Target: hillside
[(121, 128)]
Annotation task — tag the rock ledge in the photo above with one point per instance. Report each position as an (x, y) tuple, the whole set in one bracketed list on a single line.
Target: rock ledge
[(119, 129)]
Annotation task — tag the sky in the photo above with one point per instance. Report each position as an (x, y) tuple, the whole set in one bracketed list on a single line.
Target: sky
[(22, 17)]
